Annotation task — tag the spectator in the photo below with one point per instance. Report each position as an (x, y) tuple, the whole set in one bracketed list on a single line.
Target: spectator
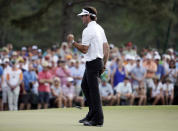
[(168, 88), (130, 64), (157, 91), (4, 86), (69, 92), (151, 69), (160, 73), (138, 75), (128, 50), (77, 74), (107, 94), (29, 80), (62, 72), (1, 73), (124, 91), (118, 74), (172, 72), (45, 79), (14, 79), (56, 93)]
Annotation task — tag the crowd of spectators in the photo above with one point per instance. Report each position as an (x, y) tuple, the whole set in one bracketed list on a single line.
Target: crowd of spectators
[(33, 78)]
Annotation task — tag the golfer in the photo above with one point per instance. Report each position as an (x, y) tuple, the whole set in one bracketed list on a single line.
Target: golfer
[(95, 47)]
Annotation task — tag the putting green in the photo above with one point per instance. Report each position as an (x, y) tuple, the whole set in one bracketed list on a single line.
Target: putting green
[(117, 118)]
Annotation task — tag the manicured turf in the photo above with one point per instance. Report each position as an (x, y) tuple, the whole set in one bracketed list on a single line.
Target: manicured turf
[(117, 118)]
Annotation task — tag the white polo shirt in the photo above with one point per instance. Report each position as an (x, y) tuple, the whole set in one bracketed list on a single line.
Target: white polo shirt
[(94, 37)]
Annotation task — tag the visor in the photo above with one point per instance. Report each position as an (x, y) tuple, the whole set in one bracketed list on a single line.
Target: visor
[(85, 12)]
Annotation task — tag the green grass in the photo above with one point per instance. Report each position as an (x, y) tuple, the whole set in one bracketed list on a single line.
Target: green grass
[(117, 118)]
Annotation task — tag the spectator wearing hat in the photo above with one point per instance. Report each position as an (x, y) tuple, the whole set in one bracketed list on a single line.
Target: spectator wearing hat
[(56, 93), (5, 52), (34, 52), (171, 53), (15, 56), (165, 62), (107, 93), (24, 52), (45, 79), (157, 91), (124, 91), (4, 86), (69, 92), (151, 69), (168, 88), (138, 74), (130, 64), (160, 73), (128, 50), (14, 79)]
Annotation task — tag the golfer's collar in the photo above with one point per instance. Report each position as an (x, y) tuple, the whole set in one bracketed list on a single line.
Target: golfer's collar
[(91, 23)]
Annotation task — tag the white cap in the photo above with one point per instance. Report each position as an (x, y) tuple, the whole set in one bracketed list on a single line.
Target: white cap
[(86, 12), (157, 57), (156, 53), (138, 58), (128, 57), (171, 50), (64, 43), (148, 56), (72, 61), (70, 79), (39, 50), (167, 56), (24, 48), (34, 47), (6, 60)]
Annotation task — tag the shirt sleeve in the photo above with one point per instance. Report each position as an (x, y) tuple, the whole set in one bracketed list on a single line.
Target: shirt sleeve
[(86, 37), (104, 37)]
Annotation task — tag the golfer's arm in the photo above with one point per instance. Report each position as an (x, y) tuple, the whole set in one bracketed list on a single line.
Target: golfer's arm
[(106, 52), (81, 48)]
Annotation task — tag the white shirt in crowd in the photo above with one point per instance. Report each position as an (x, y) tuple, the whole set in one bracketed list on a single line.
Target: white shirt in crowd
[(105, 90), (168, 87), (123, 88), (94, 37), (156, 89), (56, 90), (77, 72)]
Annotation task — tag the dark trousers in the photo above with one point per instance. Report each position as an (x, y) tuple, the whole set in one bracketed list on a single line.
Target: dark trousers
[(90, 87)]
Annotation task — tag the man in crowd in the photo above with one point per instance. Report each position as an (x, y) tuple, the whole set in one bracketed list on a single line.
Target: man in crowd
[(124, 91), (45, 79), (107, 93), (138, 75)]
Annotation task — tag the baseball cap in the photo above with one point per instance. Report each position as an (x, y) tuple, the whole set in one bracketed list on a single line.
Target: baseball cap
[(34, 47), (24, 48), (6, 60), (148, 56), (157, 57)]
